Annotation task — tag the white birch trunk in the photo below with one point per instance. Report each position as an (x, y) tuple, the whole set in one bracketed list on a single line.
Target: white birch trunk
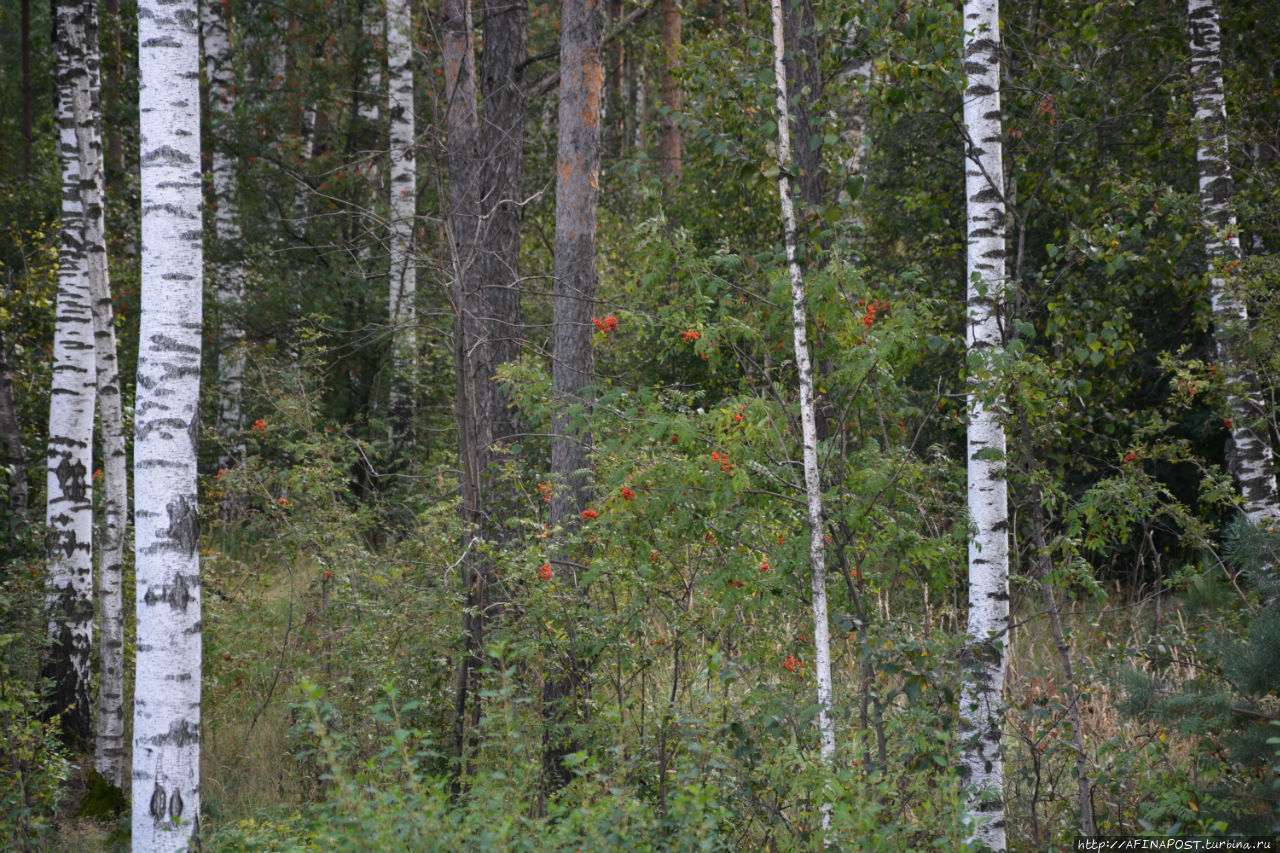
[(403, 203), (371, 24), (68, 547), (1249, 457), (166, 720), (808, 423), (228, 270), (86, 99), (986, 646)]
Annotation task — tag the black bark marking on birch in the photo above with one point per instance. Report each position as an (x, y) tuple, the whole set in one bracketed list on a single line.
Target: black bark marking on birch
[(180, 734), (184, 524), (64, 541), (193, 432), (71, 480), (158, 801), (165, 155), (175, 806), (168, 344)]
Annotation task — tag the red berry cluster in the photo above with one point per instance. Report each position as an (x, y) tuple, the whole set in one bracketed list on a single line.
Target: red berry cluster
[(792, 663), (869, 315), (608, 324), (544, 571), (590, 514), (627, 494), (690, 335)]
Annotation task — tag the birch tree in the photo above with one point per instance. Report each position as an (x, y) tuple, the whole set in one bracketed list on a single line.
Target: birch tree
[(68, 547), (1249, 455), (403, 203), (808, 421), (228, 270), (983, 658), (86, 100), (166, 719)]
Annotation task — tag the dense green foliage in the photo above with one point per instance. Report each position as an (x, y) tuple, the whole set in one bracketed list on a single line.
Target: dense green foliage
[(333, 602)]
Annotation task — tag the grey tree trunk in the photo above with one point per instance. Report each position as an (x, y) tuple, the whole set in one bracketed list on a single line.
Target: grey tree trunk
[(87, 109), (985, 652), (1249, 455), (68, 548), (403, 204), (808, 419), (573, 301), (470, 322), (166, 717)]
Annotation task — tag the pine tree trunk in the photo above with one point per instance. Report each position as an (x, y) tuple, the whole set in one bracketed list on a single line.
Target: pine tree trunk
[(228, 271), (573, 301), (166, 719), (502, 115), (403, 203), (577, 196), (87, 110), (808, 421), (69, 584), (669, 156), (986, 646), (1249, 456)]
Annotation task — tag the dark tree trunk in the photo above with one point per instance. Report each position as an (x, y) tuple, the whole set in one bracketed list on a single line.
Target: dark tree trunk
[(804, 87), (502, 119), (463, 143), (669, 154)]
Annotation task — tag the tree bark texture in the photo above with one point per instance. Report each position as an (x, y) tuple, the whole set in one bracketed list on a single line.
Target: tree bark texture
[(87, 112), (69, 542), (573, 300), (985, 652), (228, 268), (669, 156), (804, 86), (166, 719), (808, 420), (403, 204), (1249, 455), (502, 114)]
